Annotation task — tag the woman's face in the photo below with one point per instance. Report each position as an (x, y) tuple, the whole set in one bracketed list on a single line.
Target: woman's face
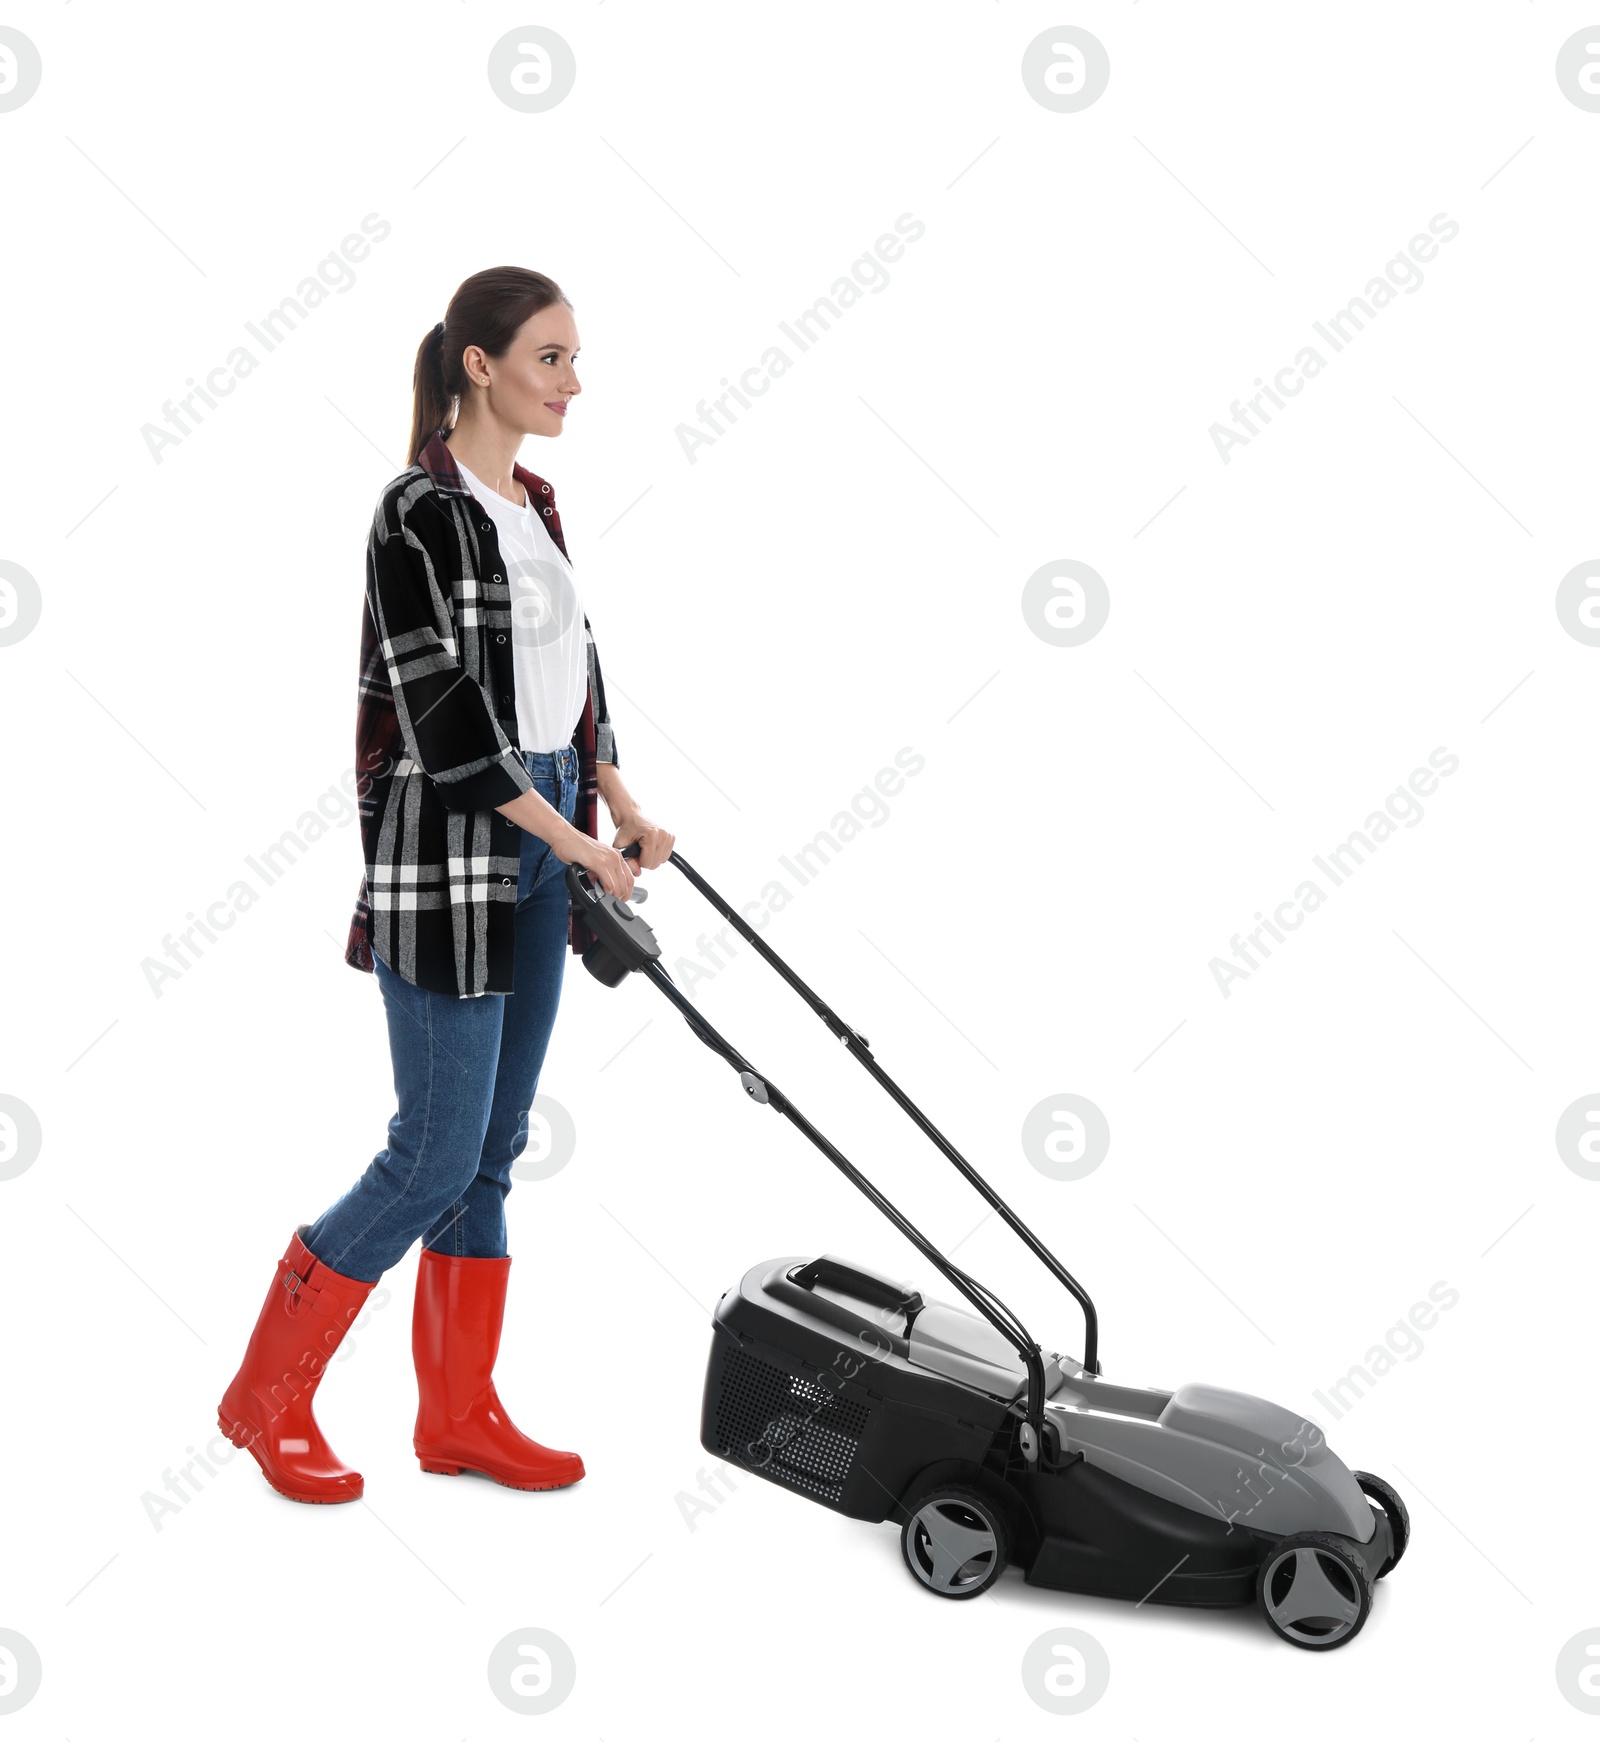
[(532, 385)]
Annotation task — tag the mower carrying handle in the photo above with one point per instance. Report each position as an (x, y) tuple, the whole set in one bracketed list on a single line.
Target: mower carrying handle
[(761, 1088), (875, 1290)]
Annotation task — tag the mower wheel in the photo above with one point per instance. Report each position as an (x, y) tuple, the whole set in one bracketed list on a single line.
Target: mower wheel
[(955, 1542), (1314, 1590), (1394, 1509)]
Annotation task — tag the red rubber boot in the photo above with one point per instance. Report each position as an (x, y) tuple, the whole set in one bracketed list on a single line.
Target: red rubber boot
[(267, 1408), (461, 1422)]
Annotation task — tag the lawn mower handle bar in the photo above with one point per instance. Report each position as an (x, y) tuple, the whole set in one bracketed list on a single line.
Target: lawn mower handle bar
[(991, 1308)]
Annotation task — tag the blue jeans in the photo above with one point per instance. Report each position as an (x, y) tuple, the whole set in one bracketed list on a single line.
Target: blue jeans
[(465, 1074)]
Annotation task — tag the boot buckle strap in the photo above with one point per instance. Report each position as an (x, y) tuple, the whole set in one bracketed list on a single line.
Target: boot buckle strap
[(306, 1296), (302, 1293)]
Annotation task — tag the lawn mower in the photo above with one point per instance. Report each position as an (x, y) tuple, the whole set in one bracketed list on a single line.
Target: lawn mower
[(848, 1386)]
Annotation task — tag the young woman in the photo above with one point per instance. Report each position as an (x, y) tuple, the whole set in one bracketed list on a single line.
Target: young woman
[(482, 740)]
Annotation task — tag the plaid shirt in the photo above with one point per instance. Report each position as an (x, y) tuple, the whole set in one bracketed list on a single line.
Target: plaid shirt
[(436, 736)]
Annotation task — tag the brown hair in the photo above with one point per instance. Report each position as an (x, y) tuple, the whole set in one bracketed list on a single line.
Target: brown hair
[(486, 310)]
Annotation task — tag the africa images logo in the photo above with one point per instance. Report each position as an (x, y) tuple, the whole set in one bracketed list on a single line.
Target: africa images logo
[(1403, 808), (1402, 273)]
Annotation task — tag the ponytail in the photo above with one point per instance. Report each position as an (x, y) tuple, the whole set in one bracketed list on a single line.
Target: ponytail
[(430, 399)]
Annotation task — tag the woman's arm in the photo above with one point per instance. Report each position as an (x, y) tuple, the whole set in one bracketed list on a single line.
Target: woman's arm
[(655, 843), (446, 723), (532, 811)]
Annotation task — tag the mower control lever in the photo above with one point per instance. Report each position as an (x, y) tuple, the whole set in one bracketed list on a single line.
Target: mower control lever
[(640, 893)]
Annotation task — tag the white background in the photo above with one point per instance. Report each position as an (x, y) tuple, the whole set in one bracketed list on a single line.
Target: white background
[(839, 576)]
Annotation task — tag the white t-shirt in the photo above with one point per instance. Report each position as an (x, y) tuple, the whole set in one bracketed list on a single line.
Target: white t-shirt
[(549, 670)]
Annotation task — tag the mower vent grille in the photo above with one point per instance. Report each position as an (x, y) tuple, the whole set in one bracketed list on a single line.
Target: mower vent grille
[(793, 1430)]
